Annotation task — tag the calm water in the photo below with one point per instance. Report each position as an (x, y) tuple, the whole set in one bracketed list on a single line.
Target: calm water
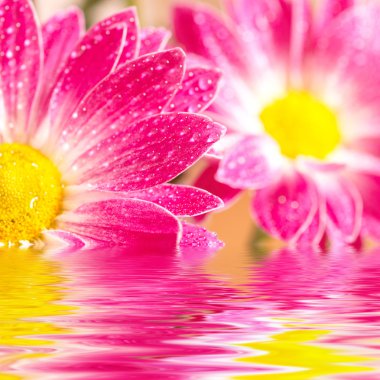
[(124, 314)]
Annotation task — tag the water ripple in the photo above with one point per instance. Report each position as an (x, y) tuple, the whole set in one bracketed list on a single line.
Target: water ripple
[(117, 314)]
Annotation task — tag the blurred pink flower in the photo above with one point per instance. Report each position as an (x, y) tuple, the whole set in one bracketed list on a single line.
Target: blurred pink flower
[(94, 125), (301, 99)]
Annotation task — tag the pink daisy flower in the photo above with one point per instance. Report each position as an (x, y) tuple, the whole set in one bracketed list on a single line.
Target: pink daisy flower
[(93, 126), (301, 99)]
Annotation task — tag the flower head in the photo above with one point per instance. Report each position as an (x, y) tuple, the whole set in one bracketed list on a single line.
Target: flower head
[(93, 126), (301, 102)]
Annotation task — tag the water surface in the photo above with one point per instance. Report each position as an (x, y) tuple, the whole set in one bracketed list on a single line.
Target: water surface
[(139, 314)]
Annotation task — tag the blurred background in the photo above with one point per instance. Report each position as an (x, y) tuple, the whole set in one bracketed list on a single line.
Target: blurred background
[(152, 12)]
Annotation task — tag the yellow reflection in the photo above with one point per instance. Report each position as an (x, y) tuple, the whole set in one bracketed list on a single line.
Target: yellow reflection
[(30, 287), (299, 356), (9, 377)]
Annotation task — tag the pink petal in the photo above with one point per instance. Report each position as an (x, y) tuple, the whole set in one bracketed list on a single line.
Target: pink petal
[(348, 52), (135, 90), (254, 162), (198, 90), (361, 162), (180, 200), (299, 42), (202, 31), (367, 145), (279, 29), (369, 187), (344, 207), (228, 141), (148, 152), (128, 18), (132, 42), (195, 60), (314, 233), (341, 204), (93, 58), (52, 237), (20, 63), (233, 104), (287, 207), (312, 164), (207, 181), (197, 237), (329, 10), (265, 26), (153, 40), (60, 35), (121, 222)]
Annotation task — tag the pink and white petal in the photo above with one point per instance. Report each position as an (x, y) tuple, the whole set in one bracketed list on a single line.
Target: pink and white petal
[(286, 207), (121, 222), (347, 56), (20, 64), (141, 156), (368, 145), (328, 10), (199, 238), (253, 163), (300, 41), (362, 162), (265, 27), (368, 185), (207, 181), (307, 164), (128, 18), (195, 60), (60, 34), (314, 233), (220, 148), (180, 200), (198, 90), (132, 41), (236, 103), (344, 206), (153, 40), (61, 238), (204, 32), (135, 90), (364, 172), (92, 60)]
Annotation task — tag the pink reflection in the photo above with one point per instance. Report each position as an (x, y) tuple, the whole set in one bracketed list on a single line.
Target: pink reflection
[(141, 313), (155, 313)]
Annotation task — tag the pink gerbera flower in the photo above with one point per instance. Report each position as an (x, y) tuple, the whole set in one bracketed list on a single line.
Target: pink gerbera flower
[(301, 98), (88, 137)]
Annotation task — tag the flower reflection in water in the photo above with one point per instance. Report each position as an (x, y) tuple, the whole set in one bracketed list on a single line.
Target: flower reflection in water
[(327, 313), (116, 314)]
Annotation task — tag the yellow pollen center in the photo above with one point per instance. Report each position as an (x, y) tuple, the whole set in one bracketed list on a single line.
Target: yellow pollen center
[(31, 193), (301, 125)]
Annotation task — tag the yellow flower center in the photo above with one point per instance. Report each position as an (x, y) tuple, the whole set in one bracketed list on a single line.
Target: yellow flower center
[(31, 193), (301, 125)]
